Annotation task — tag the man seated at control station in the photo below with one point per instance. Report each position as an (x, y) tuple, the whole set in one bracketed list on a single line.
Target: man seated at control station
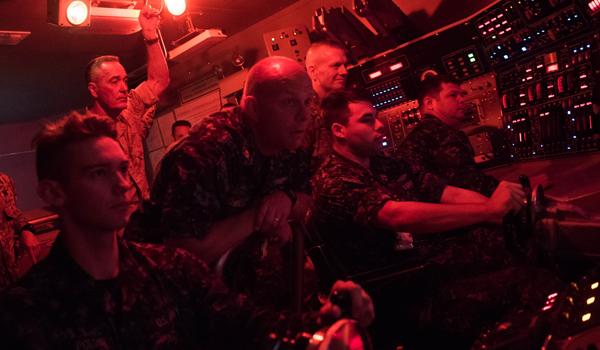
[(367, 207), (238, 172), (133, 111), (326, 64), (437, 146), (97, 291)]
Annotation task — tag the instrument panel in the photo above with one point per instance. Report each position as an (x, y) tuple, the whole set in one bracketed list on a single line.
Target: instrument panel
[(529, 67)]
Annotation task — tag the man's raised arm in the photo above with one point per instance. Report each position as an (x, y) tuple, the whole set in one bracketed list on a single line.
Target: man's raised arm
[(158, 72)]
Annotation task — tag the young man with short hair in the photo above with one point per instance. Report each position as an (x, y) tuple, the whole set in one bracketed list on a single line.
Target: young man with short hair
[(97, 291)]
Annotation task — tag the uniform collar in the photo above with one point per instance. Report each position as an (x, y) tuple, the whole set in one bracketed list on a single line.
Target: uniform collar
[(73, 282)]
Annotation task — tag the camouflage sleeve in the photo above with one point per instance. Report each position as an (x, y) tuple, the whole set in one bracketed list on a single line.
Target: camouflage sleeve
[(142, 104), (350, 199), (19, 215), (300, 176), (186, 189), (430, 188), (414, 153), (459, 167), (222, 314)]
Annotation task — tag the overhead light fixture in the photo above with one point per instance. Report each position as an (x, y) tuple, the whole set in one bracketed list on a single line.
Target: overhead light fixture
[(77, 13), (176, 7), (69, 13)]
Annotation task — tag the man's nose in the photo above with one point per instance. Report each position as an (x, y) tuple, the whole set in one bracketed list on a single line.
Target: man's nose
[(343, 70), (303, 113), (123, 86), (378, 126), (122, 182)]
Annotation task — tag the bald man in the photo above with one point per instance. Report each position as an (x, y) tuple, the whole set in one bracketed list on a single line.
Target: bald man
[(326, 65), (240, 171)]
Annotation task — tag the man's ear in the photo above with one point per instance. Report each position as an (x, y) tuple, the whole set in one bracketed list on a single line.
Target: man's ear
[(250, 107), (51, 192), (429, 103), (312, 72), (338, 130), (93, 89)]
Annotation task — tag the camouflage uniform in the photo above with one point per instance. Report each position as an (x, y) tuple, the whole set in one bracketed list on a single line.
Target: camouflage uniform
[(435, 147), (12, 223), (470, 278), (217, 172), (133, 126), (347, 198), (317, 140), (161, 299)]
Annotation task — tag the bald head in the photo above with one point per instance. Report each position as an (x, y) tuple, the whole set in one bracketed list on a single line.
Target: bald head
[(326, 64), (277, 99), (268, 75)]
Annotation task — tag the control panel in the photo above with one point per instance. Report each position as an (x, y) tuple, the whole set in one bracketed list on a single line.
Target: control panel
[(530, 69), (292, 42), (548, 104)]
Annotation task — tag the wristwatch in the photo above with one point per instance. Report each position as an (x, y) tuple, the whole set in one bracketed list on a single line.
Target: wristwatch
[(291, 194), (151, 41)]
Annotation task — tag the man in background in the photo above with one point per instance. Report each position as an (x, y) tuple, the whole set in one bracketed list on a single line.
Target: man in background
[(134, 110), (180, 129), (326, 65), (438, 146)]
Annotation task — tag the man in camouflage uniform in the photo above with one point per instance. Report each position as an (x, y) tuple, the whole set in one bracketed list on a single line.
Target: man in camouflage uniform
[(97, 291), (133, 111), (13, 222), (241, 171), (326, 65), (364, 203), (437, 146)]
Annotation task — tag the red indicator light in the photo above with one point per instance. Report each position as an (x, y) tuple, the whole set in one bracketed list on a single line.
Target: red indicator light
[(396, 66), (375, 75), (552, 68)]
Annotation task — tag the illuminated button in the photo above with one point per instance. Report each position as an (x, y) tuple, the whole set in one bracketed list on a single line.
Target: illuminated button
[(595, 284), (591, 300), (586, 317), (471, 55)]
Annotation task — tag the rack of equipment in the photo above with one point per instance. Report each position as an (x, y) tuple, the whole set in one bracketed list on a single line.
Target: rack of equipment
[(530, 69)]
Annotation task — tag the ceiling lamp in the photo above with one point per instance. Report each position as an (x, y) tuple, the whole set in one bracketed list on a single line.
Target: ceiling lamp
[(69, 13), (175, 7), (77, 12)]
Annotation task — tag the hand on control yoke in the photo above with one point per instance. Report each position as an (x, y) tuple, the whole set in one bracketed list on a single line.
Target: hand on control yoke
[(353, 298), (508, 197)]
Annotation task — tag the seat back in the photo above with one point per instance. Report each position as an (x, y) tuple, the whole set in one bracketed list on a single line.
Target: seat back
[(330, 268)]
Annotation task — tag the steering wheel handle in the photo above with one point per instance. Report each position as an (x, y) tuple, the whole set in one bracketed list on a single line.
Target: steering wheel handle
[(516, 228)]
